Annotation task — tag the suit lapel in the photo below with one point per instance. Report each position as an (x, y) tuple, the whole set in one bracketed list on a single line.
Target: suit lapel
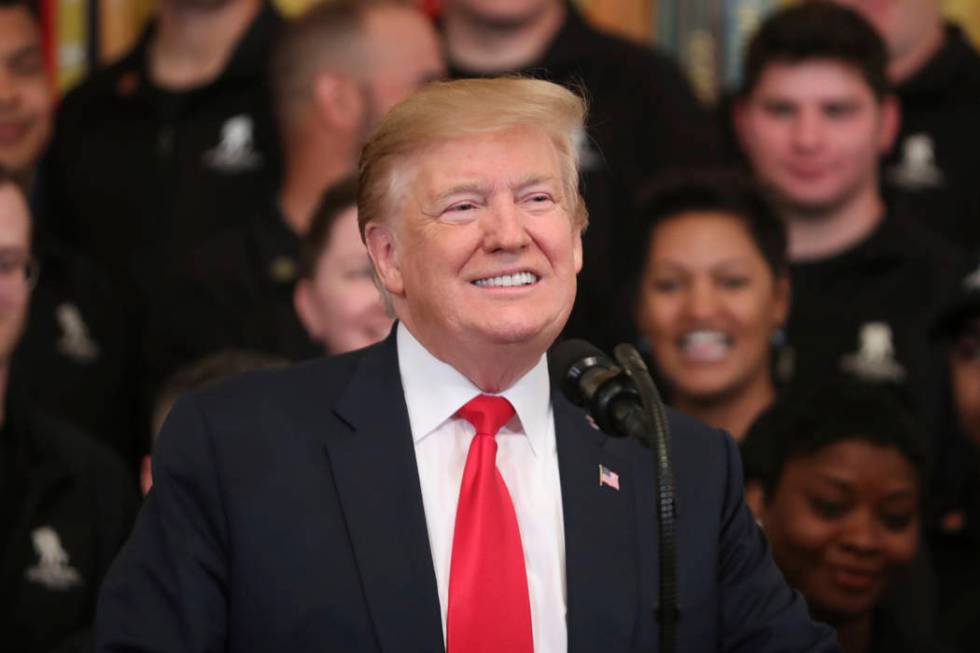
[(600, 540), (377, 481)]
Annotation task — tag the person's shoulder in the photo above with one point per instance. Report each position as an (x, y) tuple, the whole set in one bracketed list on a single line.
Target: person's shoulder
[(285, 390), (101, 88), (80, 455)]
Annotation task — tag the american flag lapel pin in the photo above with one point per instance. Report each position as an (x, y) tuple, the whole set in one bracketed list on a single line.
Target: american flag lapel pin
[(608, 477)]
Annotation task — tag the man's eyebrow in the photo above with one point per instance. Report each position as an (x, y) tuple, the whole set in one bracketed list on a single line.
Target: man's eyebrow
[(466, 187), (533, 180)]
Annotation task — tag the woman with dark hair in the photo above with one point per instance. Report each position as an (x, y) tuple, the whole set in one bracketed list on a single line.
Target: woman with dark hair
[(712, 295), (836, 478)]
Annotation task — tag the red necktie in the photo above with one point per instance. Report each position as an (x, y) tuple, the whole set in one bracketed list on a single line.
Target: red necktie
[(489, 608)]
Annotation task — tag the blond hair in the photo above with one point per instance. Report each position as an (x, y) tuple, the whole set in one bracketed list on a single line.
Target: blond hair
[(445, 111)]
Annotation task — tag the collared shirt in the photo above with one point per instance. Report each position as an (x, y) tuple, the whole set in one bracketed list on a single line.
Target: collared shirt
[(138, 174), (526, 457)]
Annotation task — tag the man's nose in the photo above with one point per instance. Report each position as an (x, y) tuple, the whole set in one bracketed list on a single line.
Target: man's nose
[(701, 300), (807, 131), (503, 227)]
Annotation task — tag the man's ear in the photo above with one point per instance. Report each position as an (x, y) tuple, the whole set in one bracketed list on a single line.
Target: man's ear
[(891, 120), (309, 317), (383, 250), (739, 118), (338, 100)]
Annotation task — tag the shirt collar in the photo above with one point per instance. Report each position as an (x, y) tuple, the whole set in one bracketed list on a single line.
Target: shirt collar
[(435, 390)]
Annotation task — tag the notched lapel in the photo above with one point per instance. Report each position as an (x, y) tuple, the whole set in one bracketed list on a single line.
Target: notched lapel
[(378, 485), (600, 537)]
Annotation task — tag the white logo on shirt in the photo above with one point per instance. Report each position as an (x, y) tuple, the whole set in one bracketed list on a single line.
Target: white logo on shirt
[(918, 167), (75, 342), (52, 569), (236, 150), (875, 357)]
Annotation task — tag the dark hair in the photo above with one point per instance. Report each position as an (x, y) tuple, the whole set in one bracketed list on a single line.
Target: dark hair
[(30, 5), (206, 371), (800, 424), (716, 191), (818, 29), (334, 201)]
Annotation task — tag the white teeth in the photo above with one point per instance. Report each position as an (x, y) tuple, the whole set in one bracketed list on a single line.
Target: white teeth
[(706, 346), (704, 337), (508, 280)]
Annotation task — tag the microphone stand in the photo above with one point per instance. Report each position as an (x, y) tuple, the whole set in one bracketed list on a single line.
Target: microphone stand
[(657, 439)]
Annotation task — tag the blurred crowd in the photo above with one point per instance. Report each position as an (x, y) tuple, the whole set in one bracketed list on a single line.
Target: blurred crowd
[(798, 263)]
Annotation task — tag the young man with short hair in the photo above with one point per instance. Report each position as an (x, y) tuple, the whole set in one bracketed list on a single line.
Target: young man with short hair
[(813, 116)]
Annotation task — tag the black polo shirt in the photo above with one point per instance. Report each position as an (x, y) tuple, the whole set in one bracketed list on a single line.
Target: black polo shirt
[(137, 173), (932, 171), (866, 312), (234, 291), (76, 357), (643, 120), (67, 507)]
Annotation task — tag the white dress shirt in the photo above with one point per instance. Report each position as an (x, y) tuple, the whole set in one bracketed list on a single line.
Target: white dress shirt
[(526, 457)]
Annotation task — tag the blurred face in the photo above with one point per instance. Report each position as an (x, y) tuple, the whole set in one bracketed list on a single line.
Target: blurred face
[(483, 255), (841, 523), (709, 304), (813, 132), (405, 55), (26, 103), (901, 23), (341, 307), (964, 363), (15, 251)]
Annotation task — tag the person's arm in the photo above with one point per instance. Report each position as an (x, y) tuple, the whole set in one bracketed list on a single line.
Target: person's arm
[(166, 590), (760, 613)]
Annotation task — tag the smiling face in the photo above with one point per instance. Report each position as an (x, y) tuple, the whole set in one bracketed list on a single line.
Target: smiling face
[(813, 132), (709, 304), (842, 521), (481, 261), (26, 103)]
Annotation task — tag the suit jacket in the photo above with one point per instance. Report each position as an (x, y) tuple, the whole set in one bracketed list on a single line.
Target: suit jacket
[(287, 515)]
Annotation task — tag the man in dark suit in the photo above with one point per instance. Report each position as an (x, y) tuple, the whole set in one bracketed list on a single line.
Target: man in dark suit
[(436, 492)]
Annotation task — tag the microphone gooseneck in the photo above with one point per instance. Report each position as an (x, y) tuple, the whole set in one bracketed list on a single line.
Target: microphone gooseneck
[(624, 402)]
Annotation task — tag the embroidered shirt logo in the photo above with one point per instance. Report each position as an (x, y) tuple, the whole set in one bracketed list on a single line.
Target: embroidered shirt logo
[(918, 168), (236, 151), (52, 569), (75, 341), (875, 358)]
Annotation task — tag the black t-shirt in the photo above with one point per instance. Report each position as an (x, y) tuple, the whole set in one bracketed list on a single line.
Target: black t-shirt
[(234, 291), (932, 171), (137, 174), (643, 120), (76, 359), (866, 313), (73, 506)]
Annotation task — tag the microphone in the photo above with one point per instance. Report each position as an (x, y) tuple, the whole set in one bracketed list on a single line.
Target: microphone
[(623, 401), (592, 380)]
